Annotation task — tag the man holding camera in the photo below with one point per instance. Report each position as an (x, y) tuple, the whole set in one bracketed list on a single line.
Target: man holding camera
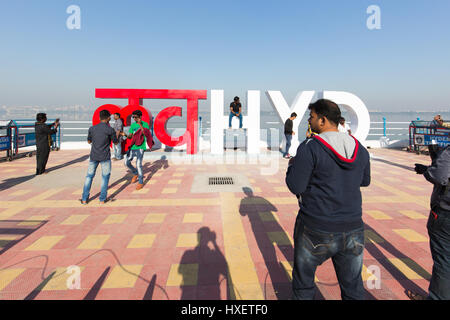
[(438, 223), (43, 134)]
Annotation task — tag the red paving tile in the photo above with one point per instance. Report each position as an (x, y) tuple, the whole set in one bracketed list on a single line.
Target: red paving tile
[(213, 266), (114, 294), (133, 256), (96, 258), (51, 295)]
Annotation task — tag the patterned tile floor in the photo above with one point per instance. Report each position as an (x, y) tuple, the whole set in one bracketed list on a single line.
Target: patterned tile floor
[(164, 242)]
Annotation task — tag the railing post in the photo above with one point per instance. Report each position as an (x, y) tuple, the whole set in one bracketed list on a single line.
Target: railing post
[(153, 119), (58, 145), (200, 126), (384, 126)]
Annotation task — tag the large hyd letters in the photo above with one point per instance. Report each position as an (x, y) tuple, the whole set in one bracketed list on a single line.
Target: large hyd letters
[(358, 113), (135, 97)]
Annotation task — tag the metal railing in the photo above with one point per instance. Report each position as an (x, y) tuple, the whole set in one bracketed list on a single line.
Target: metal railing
[(404, 126), (394, 129)]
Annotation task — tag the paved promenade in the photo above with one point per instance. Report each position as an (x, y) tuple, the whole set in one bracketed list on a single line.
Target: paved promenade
[(167, 242)]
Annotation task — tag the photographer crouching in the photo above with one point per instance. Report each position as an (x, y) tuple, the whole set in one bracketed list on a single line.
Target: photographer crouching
[(438, 223)]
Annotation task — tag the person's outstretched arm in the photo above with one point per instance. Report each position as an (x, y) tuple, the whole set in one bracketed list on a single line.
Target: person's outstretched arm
[(46, 129), (129, 135)]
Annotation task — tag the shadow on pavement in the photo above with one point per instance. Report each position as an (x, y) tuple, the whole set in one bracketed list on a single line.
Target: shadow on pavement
[(18, 229), (157, 165), (147, 168), (150, 289), (63, 165), (97, 286), (373, 237), (11, 182), (33, 294), (394, 164), (212, 268), (268, 234)]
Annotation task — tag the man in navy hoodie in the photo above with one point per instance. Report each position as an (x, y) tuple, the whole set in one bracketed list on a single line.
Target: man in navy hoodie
[(326, 176)]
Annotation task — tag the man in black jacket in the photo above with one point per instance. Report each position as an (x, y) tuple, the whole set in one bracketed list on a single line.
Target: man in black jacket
[(326, 176), (438, 223), (99, 137), (43, 132)]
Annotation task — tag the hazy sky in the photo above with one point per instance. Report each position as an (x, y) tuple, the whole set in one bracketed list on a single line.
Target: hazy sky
[(231, 45)]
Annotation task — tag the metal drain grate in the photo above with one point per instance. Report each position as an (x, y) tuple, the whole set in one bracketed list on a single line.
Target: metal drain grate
[(221, 181), (212, 182)]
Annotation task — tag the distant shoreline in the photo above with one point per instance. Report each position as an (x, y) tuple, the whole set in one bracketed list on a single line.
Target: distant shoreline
[(87, 116)]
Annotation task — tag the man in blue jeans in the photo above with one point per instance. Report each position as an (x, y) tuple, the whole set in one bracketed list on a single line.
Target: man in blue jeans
[(136, 150), (235, 111), (326, 175), (99, 137), (288, 133)]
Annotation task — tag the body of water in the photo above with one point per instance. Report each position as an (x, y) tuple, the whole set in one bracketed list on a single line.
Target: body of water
[(397, 125)]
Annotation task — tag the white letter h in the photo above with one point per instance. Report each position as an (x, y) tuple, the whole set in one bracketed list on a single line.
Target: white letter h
[(251, 122)]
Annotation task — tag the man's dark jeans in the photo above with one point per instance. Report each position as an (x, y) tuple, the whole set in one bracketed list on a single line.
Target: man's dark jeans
[(312, 248), (288, 143), (439, 232)]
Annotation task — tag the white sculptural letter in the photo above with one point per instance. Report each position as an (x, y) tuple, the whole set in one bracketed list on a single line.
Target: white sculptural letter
[(219, 122), (358, 113)]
